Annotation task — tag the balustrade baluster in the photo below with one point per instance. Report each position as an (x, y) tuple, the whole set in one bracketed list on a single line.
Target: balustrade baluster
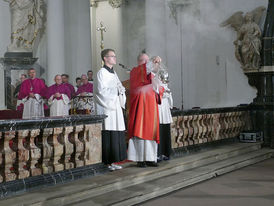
[(68, 148), (195, 129), (1, 156), (23, 154), (58, 148), (180, 131), (216, 126), (9, 156), (35, 153), (79, 146), (47, 140), (190, 130), (200, 129), (174, 132), (93, 144), (185, 129)]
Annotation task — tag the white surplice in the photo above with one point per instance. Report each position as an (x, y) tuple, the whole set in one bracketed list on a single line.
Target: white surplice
[(33, 107), (165, 106), (110, 98), (59, 107)]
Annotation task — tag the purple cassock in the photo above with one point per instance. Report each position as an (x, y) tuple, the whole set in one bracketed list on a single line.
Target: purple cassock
[(85, 88), (71, 88), (36, 86), (62, 89)]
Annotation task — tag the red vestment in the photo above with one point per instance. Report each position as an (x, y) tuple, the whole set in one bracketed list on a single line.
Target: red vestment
[(143, 112)]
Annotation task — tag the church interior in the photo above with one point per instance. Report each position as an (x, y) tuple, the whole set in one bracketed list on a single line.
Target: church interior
[(219, 56)]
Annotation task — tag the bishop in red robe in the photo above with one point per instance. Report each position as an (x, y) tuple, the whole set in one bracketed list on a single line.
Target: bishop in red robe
[(143, 127)]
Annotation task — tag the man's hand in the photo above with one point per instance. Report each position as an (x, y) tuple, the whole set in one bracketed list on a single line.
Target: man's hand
[(121, 89), (156, 63), (156, 60), (57, 95)]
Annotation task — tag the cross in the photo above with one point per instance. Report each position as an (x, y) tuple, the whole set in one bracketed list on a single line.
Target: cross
[(102, 29)]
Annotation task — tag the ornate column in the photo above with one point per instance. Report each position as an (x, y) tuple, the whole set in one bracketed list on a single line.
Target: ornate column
[(263, 80), (55, 41)]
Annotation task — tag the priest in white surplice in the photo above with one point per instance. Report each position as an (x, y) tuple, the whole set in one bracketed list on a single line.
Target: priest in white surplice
[(58, 96), (165, 119), (31, 95), (110, 99)]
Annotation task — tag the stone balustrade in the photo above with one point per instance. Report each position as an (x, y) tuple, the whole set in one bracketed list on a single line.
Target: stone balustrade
[(39, 152), (199, 126), (42, 146)]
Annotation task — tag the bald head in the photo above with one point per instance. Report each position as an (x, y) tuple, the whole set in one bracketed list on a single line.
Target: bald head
[(84, 79), (142, 58), (58, 79)]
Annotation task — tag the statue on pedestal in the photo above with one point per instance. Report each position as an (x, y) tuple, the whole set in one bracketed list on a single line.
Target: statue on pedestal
[(248, 43), (27, 22)]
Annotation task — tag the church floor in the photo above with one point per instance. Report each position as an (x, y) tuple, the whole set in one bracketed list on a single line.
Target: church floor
[(251, 186)]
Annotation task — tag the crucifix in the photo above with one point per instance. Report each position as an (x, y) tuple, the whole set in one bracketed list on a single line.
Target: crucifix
[(102, 29)]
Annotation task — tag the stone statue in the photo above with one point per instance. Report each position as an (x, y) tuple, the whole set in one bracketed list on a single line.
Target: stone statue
[(26, 24), (248, 43)]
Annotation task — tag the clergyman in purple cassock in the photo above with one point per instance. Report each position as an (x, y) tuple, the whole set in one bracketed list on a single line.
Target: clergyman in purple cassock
[(85, 93), (58, 96), (31, 94)]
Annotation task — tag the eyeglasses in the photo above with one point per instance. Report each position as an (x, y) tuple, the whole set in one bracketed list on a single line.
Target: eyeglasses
[(111, 56)]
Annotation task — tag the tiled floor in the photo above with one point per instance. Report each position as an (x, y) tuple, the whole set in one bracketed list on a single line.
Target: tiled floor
[(251, 186)]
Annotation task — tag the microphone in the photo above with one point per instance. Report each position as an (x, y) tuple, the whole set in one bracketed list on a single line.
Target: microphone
[(124, 67)]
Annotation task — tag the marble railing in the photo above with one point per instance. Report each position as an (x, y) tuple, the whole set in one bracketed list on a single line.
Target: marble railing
[(197, 126), (42, 146)]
